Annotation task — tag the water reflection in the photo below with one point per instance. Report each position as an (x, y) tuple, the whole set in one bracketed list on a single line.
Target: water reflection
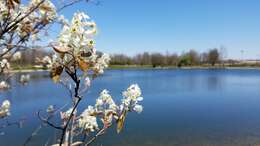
[(214, 81)]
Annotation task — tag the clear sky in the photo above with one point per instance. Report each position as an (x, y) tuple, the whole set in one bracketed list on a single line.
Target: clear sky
[(134, 26)]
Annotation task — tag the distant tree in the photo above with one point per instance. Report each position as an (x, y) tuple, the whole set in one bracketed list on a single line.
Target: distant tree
[(213, 56), (145, 59), (190, 58), (204, 57), (157, 59), (193, 57), (184, 60), (137, 59), (231, 62), (223, 55), (30, 56), (172, 59), (120, 59)]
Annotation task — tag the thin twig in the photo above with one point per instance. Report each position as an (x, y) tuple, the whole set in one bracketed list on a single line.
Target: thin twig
[(46, 121), (32, 135)]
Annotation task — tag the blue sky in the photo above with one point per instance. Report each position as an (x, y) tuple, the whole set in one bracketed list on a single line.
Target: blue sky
[(134, 26)]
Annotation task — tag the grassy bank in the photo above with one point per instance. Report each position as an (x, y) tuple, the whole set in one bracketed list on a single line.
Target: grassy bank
[(184, 67), (29, 68)]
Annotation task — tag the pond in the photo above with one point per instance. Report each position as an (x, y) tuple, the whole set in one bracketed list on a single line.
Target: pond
[(193, 107)]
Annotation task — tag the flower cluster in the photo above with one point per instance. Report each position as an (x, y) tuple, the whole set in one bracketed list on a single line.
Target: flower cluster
[(87, 82), (105, 101), (5, 109), (4, 85), (76, 37), (66, 115), (107, 110), (50, 109), (75, 47), (12, 10), (88, 120), (106, 105), (4, 65), (102, 63), (131, 98), (17, 56), (25, 78)]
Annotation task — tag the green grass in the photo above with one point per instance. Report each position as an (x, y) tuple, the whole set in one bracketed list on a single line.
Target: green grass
[(31, 67), (26, 67), (130, 67), (204, 66)]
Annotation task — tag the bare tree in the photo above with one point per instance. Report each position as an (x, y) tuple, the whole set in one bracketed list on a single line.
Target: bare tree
[(121, 59), (158, 59), (204, 57), (146, 59), (213, 56), (194, 57), (172, 59)]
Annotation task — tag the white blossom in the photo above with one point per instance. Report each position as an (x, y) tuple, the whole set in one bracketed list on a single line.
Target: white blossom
[(6, 104), (138, 108), (44, 14), (50, 109), (25, 78), (35, 37), (50, 61), (4, 64), (133, 92), (46, 9), (132, 96), (47, 60), (87, 120), (4, 50), (4, 85), (17, 56), (87, 82), (106, 105), (75, 34), (66, 115), (102, 63), (105, 102), (63, 20), (5, 109)]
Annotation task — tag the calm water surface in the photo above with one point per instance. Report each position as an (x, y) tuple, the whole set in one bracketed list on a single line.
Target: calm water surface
[(181, 108)]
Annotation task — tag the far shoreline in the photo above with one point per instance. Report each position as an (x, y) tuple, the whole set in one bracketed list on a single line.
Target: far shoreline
[(137, 67), (184, 67)]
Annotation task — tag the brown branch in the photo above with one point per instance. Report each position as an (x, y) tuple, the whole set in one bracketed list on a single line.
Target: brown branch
[(46, 121), (21, 19), (99, 133), (76, 95), (32, 135), (68, 4), (68, 121), (74, 2), (21, 40)]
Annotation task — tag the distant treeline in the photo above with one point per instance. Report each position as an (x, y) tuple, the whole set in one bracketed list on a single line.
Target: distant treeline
[(29, 56), (190, 58), (212, 57)]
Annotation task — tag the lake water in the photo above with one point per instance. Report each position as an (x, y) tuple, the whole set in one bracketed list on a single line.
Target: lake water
[(181, 107)]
